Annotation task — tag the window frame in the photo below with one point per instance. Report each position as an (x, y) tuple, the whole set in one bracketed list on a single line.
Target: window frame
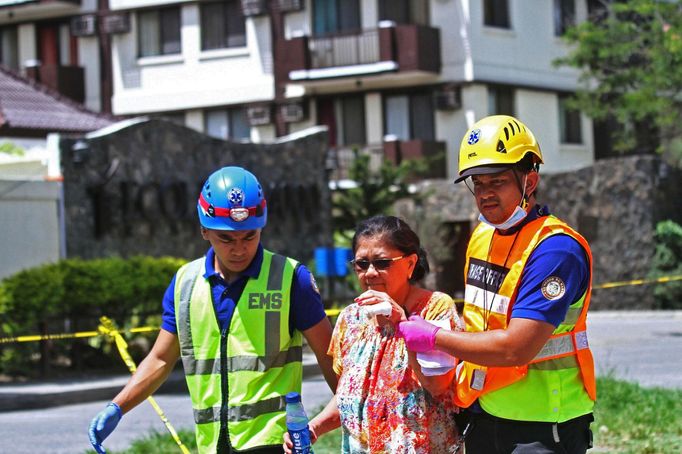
[(497, 14), (495, 103), (229, 113), (164, 36), (563, 18), (570, 122), (233, 35), (414, 132)]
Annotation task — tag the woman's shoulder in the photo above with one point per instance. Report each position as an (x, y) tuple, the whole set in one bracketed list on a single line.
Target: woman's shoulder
[(351, 314)]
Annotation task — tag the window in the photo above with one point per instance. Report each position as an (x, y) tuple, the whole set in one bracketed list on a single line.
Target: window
[(409, 116), (9, 50), (159, 32), (500, 100), (345, 119), (222, 25), (564, 16), (333, 16), (404, 11), (496, 13), (569, 122), (227, 124)]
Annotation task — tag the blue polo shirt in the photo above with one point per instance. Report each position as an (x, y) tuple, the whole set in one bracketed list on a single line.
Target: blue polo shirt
[(559, 256), (306, 304)]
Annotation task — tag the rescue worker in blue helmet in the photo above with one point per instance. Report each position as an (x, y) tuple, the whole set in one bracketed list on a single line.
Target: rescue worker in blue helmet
[(237, 318)]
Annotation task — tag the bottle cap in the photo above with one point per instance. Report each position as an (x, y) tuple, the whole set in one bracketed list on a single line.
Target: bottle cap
[(292, 397)]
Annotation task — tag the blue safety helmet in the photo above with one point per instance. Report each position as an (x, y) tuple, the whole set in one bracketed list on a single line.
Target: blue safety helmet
[(232, 199)]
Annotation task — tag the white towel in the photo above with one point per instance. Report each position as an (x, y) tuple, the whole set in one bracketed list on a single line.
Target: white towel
[(436, 362)]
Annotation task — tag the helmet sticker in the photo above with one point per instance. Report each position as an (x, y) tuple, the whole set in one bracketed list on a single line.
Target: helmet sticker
[(236, 196), (474, 136), (553, 288), (239, 214)]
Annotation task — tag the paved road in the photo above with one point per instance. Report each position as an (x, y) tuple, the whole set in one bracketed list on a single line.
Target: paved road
[(643, 347), (63, 430)]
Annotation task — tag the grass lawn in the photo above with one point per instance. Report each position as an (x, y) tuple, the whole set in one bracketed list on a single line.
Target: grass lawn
[(629, 419)]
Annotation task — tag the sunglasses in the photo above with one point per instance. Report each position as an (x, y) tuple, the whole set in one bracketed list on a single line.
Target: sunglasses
[(378, 264)]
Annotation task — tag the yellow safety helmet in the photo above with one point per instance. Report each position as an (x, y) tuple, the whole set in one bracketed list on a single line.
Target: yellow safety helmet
[(494, 144)]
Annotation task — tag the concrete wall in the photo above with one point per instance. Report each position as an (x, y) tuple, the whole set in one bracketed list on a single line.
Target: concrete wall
[(134, 191), (615, 204), (29, 222)]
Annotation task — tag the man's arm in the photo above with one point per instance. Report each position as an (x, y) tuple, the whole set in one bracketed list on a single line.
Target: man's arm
[(318, 337), (515, 346), (151, 373)]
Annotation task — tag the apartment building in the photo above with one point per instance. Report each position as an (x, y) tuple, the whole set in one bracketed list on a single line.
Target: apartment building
[(392, 78)]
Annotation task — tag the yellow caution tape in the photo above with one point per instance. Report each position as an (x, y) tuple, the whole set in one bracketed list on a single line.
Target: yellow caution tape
[(639, 282), (329, 312), (37, 337), (109, 328)]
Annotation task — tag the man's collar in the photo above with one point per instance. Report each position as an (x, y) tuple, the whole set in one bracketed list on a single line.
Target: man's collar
[(251, 271)]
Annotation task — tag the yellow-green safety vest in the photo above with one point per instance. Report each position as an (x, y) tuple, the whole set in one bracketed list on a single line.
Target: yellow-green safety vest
[(238, 377)]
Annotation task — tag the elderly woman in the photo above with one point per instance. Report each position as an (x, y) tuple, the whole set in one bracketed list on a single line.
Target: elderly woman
[(384, 402)]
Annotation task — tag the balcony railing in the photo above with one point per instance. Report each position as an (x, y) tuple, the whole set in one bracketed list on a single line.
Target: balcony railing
[(404, 47), (67, 80), (341, 159), (344, 50)]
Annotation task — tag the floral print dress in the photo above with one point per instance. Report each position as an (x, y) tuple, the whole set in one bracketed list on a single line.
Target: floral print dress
[(382, 405)]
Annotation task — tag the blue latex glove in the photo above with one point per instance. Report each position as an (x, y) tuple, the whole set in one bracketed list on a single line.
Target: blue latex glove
[(103, 424)]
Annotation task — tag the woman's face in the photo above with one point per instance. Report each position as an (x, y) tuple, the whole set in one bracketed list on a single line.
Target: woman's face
[(390, 280)]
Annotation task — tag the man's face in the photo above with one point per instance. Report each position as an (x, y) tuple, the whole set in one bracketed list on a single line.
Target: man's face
[(234, 250), (498, 194)]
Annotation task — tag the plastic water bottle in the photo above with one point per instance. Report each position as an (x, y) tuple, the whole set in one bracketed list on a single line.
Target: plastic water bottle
[(297, 424)]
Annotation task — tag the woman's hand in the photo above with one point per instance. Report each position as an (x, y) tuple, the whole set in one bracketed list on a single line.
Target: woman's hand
[(370, 297), (288, 445)]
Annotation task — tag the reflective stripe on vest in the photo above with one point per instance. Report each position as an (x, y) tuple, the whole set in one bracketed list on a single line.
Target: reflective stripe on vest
[(260, 354), (493, 273)]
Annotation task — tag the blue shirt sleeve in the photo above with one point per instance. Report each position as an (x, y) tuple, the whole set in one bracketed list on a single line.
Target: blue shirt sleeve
[(168, 317), (560, 257), (306, 303)]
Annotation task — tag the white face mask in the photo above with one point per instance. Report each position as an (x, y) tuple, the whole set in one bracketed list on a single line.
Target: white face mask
[(516, 217)]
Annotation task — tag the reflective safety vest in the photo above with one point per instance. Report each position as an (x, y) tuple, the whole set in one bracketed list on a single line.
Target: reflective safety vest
[(238, 377), (559, 383)]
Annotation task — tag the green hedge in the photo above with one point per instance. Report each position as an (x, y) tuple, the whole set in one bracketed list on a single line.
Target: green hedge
[(72, 294), (667, 261)]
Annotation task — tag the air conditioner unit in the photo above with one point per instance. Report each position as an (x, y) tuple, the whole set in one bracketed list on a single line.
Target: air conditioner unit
[(254, 7), (85, 25), (114, 23), (259, 115), (292, 112), (449, 98)]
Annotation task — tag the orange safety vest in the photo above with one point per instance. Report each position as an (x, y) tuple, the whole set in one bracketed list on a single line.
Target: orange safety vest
[(493, 270)]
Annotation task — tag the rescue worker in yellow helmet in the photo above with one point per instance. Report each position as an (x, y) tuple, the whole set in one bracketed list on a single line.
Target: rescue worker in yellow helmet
[(527, 376), (236, 317)]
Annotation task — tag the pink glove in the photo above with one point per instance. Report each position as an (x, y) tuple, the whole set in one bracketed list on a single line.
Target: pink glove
[(419, 335)]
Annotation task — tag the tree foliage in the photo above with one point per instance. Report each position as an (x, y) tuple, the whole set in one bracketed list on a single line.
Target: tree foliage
[(375, 192), (667, 261), (631, 63)]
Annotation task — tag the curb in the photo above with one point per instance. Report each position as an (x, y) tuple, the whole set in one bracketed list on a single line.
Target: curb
[(31, 396)]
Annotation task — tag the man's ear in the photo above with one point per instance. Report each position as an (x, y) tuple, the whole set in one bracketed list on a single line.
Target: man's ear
[(204, 233), (532, 181)]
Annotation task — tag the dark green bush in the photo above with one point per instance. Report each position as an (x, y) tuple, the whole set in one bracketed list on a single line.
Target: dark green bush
[(71, 295), (667, 261)]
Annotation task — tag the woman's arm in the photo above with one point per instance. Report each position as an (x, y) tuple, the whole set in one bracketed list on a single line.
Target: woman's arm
[(326, 421), (434, 384)]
